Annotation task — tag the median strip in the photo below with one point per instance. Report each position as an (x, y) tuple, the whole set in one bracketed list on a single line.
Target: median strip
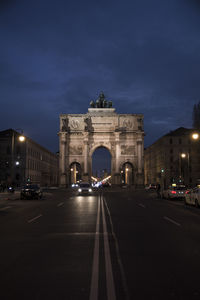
[(95, 268), (109, 274)]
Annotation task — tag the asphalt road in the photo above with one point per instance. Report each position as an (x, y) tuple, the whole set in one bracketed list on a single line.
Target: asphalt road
[(120, 244)]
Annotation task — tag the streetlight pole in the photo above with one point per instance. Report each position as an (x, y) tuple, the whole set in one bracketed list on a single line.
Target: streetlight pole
[(21, 138)]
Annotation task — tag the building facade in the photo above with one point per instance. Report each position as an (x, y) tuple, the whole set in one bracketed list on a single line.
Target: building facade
[(174, 158), (121, 134), (22, 161)]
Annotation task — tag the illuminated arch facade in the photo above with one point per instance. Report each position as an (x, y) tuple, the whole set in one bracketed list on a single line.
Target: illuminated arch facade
[(122, 134)]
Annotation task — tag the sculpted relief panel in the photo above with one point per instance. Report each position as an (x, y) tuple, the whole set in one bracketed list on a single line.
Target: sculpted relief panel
[(127, 122), (76, 150), (127, 150)]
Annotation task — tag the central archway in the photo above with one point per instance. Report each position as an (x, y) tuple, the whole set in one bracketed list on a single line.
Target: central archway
[(101, 163)]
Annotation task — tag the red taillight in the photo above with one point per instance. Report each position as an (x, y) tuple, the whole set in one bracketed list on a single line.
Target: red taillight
[(173, 192), (187, 192)]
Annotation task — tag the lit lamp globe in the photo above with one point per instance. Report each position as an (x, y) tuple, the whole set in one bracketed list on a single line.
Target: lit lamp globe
[(195, 136), (183, 155), (21, 138)]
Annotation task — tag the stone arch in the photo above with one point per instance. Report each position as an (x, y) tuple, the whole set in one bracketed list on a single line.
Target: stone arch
[(121, 134)]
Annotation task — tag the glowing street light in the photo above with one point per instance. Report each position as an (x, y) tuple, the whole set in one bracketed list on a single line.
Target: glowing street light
[(22, 138), (195, 136)]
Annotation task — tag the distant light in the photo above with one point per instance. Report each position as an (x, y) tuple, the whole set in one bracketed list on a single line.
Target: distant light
[(183, 155), (17, 163), (22, 138), (195, 136), (127, 169), (72, 170)]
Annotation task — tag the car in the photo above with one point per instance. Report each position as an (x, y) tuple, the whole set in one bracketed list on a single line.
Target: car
[(84, 188), (31, 191), (193, 197), (151, 186), (175, 192)]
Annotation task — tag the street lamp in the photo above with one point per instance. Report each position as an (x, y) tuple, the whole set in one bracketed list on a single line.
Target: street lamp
[(182, 169), (195, 136), (22, 139), (126, 176)]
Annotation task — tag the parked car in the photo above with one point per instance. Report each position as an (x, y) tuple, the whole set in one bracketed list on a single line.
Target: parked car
[(84, 188), (151, 186), (193, 197), (31, 191), (175, 192)]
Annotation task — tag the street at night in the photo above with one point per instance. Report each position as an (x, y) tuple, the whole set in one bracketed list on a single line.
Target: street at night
[(115, 244)]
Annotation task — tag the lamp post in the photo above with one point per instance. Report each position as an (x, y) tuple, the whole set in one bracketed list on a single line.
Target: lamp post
[(21, 138), (183, 156), (126, 175)]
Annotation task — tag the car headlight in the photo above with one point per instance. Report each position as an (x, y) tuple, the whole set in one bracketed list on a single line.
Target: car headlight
[(80, 190), (90, 190)]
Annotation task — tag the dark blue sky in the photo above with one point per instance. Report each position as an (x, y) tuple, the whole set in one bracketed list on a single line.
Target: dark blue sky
[(56, 56)]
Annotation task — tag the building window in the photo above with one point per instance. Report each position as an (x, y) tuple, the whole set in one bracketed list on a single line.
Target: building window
[(171, 141), (171, 150), (180, 141)]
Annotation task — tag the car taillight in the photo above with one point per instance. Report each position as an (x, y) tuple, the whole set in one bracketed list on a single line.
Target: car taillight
[(186, 192), (173, 192)]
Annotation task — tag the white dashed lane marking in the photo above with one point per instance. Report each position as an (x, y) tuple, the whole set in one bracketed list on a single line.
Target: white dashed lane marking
[(31, 220), (172, 221)]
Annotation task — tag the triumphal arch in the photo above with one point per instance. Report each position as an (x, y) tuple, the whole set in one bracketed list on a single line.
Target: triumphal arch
[(81, 134)]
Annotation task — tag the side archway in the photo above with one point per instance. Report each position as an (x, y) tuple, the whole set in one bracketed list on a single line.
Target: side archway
[(127, 173), (75, 173)]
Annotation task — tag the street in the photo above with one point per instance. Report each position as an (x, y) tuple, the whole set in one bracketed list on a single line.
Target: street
[(114, 244)]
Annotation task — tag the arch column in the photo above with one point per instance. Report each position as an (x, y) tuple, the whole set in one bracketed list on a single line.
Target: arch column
[(85, 174), (117, 155), (62, 161), (140, 164)]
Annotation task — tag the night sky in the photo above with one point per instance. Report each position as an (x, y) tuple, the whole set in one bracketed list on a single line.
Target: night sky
[(57, 56)]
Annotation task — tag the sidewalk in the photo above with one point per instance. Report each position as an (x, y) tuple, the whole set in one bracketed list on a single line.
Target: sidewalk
[(9, 196)]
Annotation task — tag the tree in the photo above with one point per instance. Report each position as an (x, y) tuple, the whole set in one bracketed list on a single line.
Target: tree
[(196, 116)]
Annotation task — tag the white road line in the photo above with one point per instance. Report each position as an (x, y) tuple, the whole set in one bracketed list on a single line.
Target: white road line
[(109, 274), (60, 204), (95, 267), (142, 205), (4, 208), (172, 221), (29, 221), (124, 281)]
